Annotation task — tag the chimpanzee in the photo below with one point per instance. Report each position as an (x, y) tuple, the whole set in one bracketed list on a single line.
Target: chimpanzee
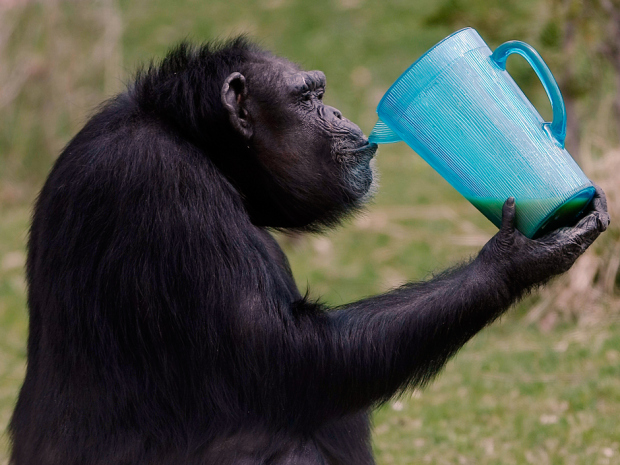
[(165, 324)]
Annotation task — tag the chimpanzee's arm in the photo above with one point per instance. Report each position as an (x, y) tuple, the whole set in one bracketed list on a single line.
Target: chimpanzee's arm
[(364, 352), (406, 336)]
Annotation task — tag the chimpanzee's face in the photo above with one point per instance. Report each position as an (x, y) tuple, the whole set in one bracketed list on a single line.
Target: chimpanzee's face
[(311, 149)]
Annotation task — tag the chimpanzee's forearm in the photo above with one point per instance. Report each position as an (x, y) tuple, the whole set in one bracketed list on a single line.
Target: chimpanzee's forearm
[(352, 357), (405, 337)]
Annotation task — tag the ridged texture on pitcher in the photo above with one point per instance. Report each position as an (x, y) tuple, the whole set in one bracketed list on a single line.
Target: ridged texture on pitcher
[(470, 121)]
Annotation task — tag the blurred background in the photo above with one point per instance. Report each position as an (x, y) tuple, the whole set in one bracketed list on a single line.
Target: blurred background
[(543, 385)]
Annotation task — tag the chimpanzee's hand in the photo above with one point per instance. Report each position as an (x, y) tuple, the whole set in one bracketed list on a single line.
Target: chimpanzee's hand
[(528, 262)]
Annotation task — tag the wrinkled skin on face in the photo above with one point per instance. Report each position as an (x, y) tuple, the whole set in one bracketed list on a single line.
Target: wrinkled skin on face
[(316, 161)]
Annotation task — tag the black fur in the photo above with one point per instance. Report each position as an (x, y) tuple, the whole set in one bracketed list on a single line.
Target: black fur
[(165, 324)]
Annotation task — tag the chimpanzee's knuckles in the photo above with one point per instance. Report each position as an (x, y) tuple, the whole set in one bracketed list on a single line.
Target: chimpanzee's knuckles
[(602, 220)]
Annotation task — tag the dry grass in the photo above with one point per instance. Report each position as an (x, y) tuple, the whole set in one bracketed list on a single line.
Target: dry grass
[(58, 61)]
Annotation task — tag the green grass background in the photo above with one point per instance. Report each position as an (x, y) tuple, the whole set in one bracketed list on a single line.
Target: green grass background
[(515, 394)]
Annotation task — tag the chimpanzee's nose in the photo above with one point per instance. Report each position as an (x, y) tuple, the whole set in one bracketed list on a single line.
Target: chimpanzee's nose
[(335, 112)]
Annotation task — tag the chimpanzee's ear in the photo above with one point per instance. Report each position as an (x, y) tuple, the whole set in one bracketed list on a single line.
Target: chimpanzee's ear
[(234, 98)]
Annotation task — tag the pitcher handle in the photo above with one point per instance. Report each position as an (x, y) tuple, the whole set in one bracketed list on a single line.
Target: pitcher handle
[(557, 128)]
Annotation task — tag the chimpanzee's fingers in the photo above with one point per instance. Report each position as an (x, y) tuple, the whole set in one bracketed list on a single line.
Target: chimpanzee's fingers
[(599, 205), (600, 199), (596, 221), (508, 216), (585, 236)]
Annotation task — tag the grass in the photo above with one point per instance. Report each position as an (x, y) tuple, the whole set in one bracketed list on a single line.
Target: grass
[(515, 394), (13, 317)]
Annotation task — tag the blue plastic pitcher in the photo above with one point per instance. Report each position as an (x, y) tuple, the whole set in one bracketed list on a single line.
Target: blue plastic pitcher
[(460, 110)]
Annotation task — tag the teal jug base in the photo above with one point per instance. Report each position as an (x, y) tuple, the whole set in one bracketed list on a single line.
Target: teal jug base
[(566, 214)]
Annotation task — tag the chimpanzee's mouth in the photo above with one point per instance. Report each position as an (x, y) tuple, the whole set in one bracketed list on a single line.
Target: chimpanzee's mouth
[(367, 150)]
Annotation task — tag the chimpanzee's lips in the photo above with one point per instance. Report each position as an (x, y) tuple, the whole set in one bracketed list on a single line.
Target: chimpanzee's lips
[(367, 150)]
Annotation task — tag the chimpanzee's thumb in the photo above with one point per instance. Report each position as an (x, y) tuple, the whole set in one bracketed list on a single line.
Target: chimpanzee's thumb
[(508, 216)]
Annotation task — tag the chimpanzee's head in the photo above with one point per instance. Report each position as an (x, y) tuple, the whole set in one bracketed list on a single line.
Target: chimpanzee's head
[(296, 162), (314, 163)]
